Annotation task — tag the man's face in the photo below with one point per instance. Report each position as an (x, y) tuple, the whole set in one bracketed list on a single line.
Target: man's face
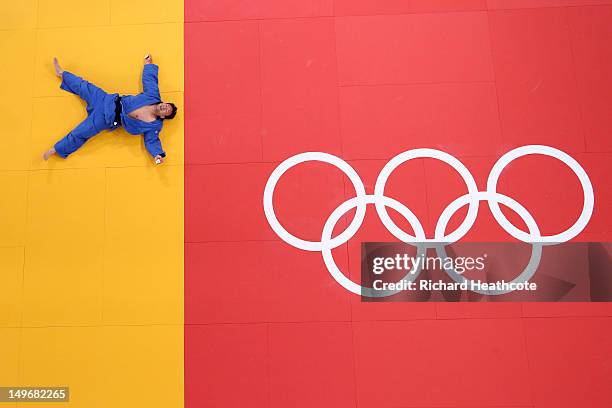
[(164, 109)]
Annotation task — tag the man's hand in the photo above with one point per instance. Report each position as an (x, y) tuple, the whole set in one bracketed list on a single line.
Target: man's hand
[(159, 159), (148, 59)]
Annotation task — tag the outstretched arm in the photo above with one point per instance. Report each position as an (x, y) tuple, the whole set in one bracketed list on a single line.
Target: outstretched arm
[(153, 144), (149, 78)]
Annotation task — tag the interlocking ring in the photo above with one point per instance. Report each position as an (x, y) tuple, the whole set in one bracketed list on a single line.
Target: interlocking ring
[(343, 209), (536, 247), (472, 199), (292, 239), (381, 181), (585, 182)]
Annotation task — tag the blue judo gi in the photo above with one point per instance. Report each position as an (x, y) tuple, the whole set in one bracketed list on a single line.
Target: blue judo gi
[(101, 112)]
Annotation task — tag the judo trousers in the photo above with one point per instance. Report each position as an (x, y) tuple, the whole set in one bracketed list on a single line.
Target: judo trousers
[(100, 109)]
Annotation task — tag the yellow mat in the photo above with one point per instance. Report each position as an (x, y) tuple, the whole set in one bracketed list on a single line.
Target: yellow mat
[(91, 248)]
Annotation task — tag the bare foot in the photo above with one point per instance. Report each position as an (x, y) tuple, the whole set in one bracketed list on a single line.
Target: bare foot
[(58, 70), (48, 154)]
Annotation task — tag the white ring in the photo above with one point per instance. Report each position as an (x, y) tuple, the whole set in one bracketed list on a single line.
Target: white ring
[(536, 250), (343, 209), (381, 181), (292, 239), (585, 182)]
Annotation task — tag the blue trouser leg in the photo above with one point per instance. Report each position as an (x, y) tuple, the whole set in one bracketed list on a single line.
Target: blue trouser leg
[(77, 137), (90, 93), (93, 124)]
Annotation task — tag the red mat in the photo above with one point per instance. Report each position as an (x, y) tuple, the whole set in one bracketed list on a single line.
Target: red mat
[(266, 324)]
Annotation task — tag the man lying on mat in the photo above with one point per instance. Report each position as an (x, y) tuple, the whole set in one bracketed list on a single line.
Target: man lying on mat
[(138, 114)]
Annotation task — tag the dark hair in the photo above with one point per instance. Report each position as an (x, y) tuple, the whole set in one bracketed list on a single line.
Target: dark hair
[(173, 114)]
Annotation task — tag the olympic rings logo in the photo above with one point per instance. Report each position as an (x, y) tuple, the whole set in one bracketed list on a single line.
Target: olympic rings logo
[(441, 238)]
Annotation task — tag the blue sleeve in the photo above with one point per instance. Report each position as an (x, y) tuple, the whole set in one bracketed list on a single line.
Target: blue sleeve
[(149, 80), (153, 144)]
